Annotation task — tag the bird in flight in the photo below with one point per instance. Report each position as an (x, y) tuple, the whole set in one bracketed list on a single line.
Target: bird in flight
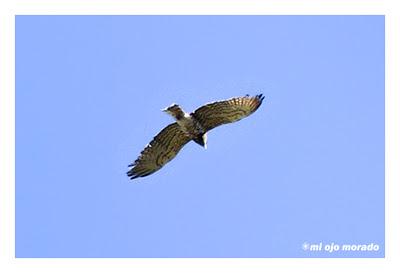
[(194, 126)]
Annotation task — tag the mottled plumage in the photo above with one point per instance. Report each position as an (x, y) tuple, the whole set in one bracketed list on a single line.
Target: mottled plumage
[(194, 126)]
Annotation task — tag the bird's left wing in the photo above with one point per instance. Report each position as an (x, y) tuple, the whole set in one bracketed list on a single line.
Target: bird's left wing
[(222, 112), (163, 148)]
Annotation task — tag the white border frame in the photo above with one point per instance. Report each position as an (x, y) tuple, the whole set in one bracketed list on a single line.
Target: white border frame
[(8, 10)]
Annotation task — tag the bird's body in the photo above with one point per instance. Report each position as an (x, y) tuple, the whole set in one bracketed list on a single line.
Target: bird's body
[(186, 121), (193, 126), (188, 124)]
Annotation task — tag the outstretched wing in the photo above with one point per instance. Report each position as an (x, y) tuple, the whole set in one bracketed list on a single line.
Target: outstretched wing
[(164, 147), (221, 112)]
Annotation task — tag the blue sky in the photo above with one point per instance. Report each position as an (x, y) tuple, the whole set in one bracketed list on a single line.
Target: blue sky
[(308, 166)]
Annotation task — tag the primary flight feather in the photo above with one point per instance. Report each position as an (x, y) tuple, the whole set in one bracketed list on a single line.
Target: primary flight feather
[(194, 126)]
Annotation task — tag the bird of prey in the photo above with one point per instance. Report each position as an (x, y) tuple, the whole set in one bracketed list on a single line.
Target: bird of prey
[(194, 126)]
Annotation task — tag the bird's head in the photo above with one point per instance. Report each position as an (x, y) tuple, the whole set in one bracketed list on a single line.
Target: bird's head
[(173, 107), (174, 110), (201, 140)]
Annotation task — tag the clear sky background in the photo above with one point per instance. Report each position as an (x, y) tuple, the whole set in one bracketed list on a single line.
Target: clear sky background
[(308, 166)]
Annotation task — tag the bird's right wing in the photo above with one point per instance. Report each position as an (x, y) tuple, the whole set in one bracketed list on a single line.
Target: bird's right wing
[(163, 148), (222, 112)]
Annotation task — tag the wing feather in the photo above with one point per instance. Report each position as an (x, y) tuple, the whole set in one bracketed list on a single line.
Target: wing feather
[(162, 149), (222, 112)]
